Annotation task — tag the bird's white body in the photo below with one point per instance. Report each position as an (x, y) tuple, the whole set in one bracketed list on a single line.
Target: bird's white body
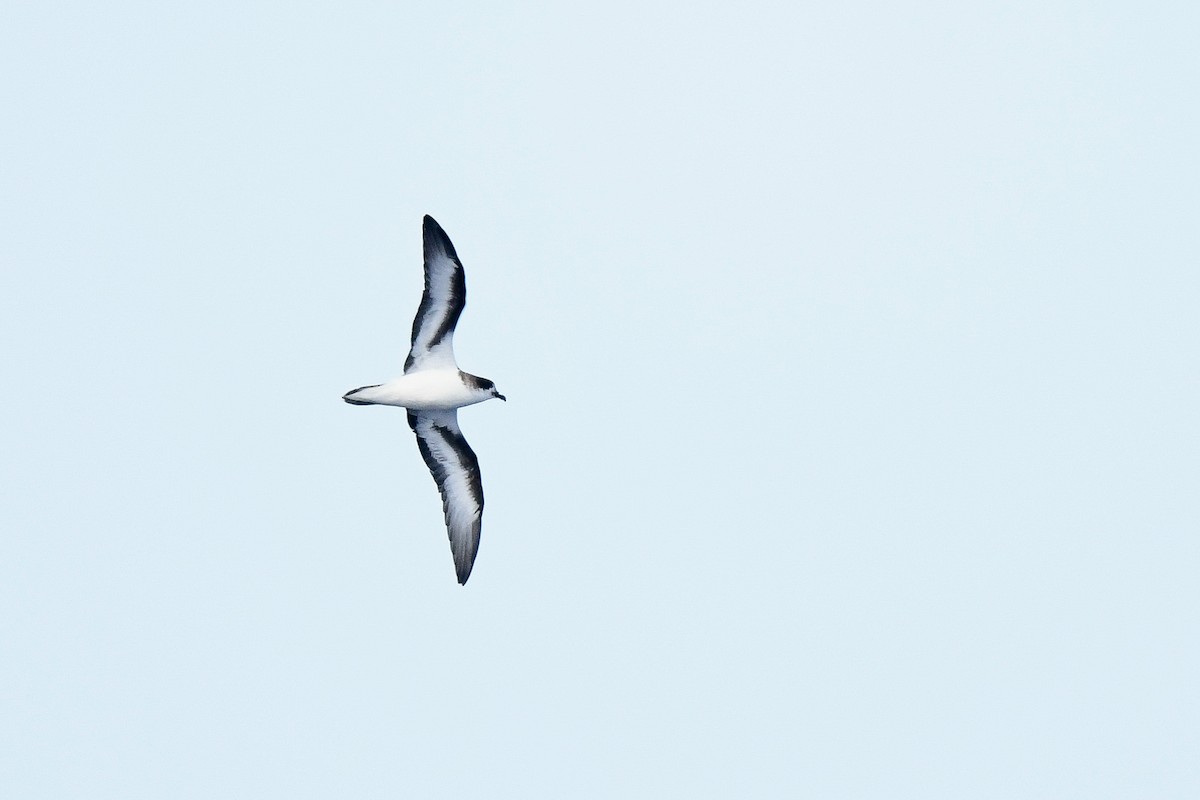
[(427, 390)]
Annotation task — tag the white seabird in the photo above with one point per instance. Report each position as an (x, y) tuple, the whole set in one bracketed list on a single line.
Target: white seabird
[(433, 388)]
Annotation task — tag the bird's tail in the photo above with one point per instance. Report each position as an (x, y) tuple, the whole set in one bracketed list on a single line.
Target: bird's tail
[(355, 399)]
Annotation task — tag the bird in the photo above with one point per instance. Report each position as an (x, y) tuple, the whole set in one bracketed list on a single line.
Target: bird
[(433, 388)]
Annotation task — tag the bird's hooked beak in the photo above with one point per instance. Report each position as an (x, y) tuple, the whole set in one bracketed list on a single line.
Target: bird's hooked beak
[(502, 397)]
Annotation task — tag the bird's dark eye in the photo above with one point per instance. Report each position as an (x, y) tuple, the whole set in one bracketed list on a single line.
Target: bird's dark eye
[(486, 384)]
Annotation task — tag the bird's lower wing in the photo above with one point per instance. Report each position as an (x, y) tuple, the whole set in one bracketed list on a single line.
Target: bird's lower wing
[(456, 471)]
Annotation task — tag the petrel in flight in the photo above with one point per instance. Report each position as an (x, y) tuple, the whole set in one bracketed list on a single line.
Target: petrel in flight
[(433, 388)]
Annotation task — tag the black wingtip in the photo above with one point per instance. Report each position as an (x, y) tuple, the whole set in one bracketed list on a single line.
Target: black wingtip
[(433, 234), (464, 564), (429, 225)]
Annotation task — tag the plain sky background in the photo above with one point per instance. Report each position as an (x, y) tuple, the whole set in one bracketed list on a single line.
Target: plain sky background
[(852, 444)]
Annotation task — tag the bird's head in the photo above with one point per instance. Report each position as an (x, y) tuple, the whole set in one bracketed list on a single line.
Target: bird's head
[(483, 384)]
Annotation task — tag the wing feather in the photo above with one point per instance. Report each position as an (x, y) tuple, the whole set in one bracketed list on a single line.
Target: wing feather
[(456, 471), (442, 302)]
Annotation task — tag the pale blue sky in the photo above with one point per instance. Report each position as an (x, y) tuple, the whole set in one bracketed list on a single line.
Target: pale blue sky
[(851, 448)]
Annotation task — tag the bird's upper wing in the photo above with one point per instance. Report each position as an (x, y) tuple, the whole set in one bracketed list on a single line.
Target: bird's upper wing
[(441, 303), (456, 471)]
